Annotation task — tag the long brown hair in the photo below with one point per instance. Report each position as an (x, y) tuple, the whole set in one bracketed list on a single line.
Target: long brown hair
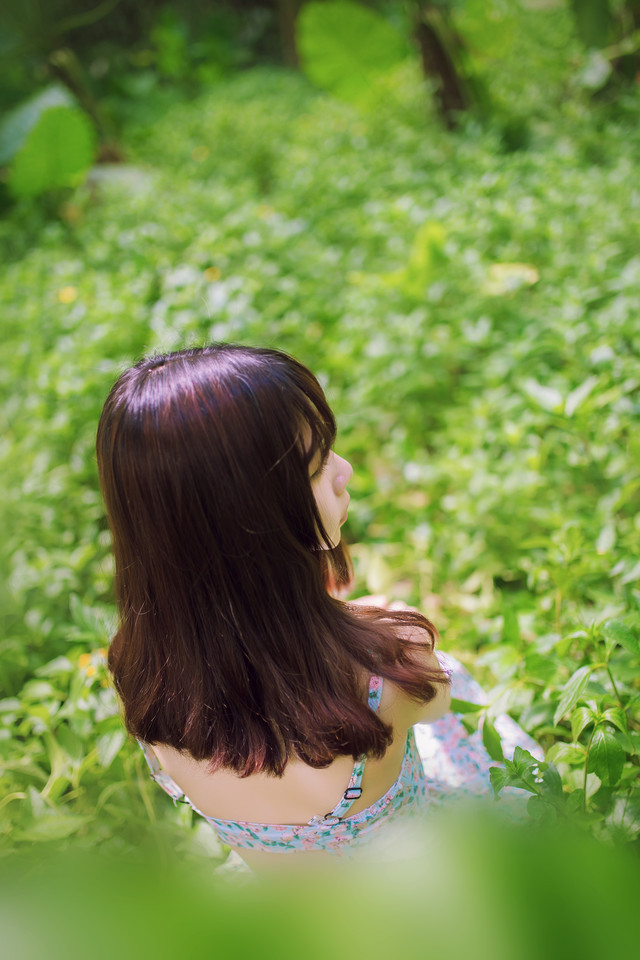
[(229, 646)]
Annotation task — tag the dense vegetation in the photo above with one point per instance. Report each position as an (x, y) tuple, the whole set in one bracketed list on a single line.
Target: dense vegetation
[(470, 302)]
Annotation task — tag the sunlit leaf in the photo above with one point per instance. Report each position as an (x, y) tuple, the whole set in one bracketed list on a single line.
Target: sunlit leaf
[(577, 397), (464, 706), (491, 740), (345, 47), (108, 747), (508, 277), (547, 397), (19, 122), (631, 575), (573, 690), (56, 153), (619, 632), (606, 756), (618, 718), (606, 539), (581, 718)]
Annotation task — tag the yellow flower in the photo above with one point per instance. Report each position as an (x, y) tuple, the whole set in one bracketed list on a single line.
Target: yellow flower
[(84, 660), (67, 295), (91, 670), (212, 274)]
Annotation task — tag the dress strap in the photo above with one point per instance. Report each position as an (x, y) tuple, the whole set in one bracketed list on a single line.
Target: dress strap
[(158, 774), (354, 787)]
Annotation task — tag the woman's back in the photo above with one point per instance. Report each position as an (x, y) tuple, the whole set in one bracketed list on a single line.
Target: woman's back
[(303, 792)]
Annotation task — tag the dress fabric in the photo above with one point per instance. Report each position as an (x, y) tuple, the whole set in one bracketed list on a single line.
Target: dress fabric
[(441, 760)]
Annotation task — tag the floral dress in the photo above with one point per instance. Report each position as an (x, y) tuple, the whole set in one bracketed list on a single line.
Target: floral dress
[(440, 760)]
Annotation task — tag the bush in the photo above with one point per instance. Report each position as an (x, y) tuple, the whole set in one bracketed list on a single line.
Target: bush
[(473, 316)]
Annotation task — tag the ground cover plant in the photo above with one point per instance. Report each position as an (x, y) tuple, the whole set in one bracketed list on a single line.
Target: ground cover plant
[(472, 312)]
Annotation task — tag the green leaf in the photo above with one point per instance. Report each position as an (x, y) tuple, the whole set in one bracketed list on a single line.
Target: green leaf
[(71, 743), (606, 538), (56, 153), (575, 687), (59, 665), (491, 740), (631, 575), (539, 667), (606, 756), (541, 811), (499, 779), (344, 47), (553, 783), (53, 826), (523, 761), (425, 260), (618, 632), (108, 747), (547, 397), (618, 718), (18, 124), (571, 753), (465, 706), (581, 718), (470, 721), (577, 397)]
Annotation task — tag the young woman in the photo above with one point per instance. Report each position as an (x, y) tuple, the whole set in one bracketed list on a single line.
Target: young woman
[(283, 714)]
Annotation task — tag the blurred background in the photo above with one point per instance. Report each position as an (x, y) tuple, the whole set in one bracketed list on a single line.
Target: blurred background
[(434, 205)]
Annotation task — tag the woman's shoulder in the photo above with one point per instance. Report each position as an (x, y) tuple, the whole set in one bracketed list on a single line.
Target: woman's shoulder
[(396, 705)]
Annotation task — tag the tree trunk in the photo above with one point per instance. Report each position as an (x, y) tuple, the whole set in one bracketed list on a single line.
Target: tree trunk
[(287, 13), (437, 43)]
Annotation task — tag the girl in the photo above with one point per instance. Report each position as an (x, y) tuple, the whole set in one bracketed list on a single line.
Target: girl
[(284, 715)]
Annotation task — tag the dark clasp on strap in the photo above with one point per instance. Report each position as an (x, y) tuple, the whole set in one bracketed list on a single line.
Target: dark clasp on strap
[(353, 793)]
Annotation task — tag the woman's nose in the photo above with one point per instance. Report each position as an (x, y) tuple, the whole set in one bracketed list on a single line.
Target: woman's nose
[(344, 473)]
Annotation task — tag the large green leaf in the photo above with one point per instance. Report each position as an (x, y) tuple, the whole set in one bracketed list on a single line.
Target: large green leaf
[(581, 718), (345, 47), (57, 151), (491, 740), (606, 756), (572, 692), (18, 124), (619, 632)]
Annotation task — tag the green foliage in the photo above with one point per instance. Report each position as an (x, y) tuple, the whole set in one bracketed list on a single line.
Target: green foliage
[(466, 886), (600, 702), (473, 316), (48, 143), (346, 47), (594, 21)]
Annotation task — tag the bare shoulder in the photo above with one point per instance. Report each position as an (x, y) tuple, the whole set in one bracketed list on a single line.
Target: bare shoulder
[(399, 707)]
